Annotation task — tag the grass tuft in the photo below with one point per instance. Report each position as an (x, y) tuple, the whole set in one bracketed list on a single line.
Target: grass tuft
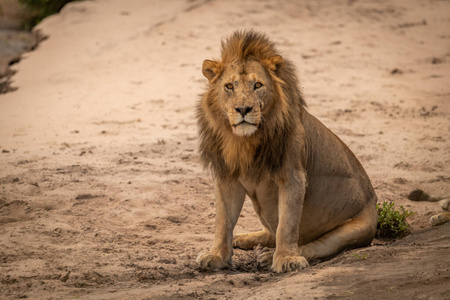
[(391, 222)]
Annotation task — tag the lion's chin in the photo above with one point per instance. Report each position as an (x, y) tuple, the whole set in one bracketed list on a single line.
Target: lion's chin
[(244, 129)]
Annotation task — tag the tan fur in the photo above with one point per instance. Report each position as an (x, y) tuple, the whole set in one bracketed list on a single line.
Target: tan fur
[(441, 218), (311, 194)]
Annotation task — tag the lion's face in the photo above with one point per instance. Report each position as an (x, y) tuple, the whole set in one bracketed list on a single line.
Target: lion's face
[(244, 91)]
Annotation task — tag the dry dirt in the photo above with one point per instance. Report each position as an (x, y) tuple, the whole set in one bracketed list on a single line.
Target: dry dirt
[(101, 192)]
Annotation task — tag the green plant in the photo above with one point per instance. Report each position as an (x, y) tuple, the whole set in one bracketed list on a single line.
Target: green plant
[(392, 223), (361, 257), (39, 9)]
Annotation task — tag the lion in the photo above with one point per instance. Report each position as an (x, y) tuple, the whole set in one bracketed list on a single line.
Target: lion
[(310, 192), (440, 218)]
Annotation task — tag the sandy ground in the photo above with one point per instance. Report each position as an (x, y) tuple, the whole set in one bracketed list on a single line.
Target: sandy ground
[(101, 192)]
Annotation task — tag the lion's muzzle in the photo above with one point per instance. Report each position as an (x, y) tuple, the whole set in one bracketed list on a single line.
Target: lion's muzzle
[(244, 120), (243, 110)]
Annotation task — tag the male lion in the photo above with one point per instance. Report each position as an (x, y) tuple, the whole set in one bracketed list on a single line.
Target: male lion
[(312, 195)]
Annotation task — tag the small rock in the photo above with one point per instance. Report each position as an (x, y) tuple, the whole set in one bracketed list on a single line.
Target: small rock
[(436, 61), (65, 277), (396, 72)]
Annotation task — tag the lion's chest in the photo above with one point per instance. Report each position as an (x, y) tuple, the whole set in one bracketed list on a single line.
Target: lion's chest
[(264, 196)]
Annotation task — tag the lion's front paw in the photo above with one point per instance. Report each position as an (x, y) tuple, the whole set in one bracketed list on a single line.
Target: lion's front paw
[(207, 260), (289, 263)]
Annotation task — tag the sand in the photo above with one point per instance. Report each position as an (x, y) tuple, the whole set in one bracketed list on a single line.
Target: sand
[(101, 192)]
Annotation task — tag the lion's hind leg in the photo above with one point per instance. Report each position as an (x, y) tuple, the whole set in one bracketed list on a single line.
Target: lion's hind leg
[(443, 217), (440, 219), (248, 241), (357, 232)]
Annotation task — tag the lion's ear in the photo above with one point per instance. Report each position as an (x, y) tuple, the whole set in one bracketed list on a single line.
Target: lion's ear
[(274, 63), (211, 69)]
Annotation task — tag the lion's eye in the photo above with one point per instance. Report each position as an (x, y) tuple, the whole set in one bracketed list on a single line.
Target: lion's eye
[(258, 85), (229, 86)]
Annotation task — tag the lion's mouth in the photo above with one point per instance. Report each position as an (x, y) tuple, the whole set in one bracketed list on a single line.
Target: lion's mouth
[(244, 128), (245, 123)]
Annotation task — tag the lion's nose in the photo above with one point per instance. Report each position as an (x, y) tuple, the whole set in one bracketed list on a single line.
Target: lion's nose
[(243, 110)]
